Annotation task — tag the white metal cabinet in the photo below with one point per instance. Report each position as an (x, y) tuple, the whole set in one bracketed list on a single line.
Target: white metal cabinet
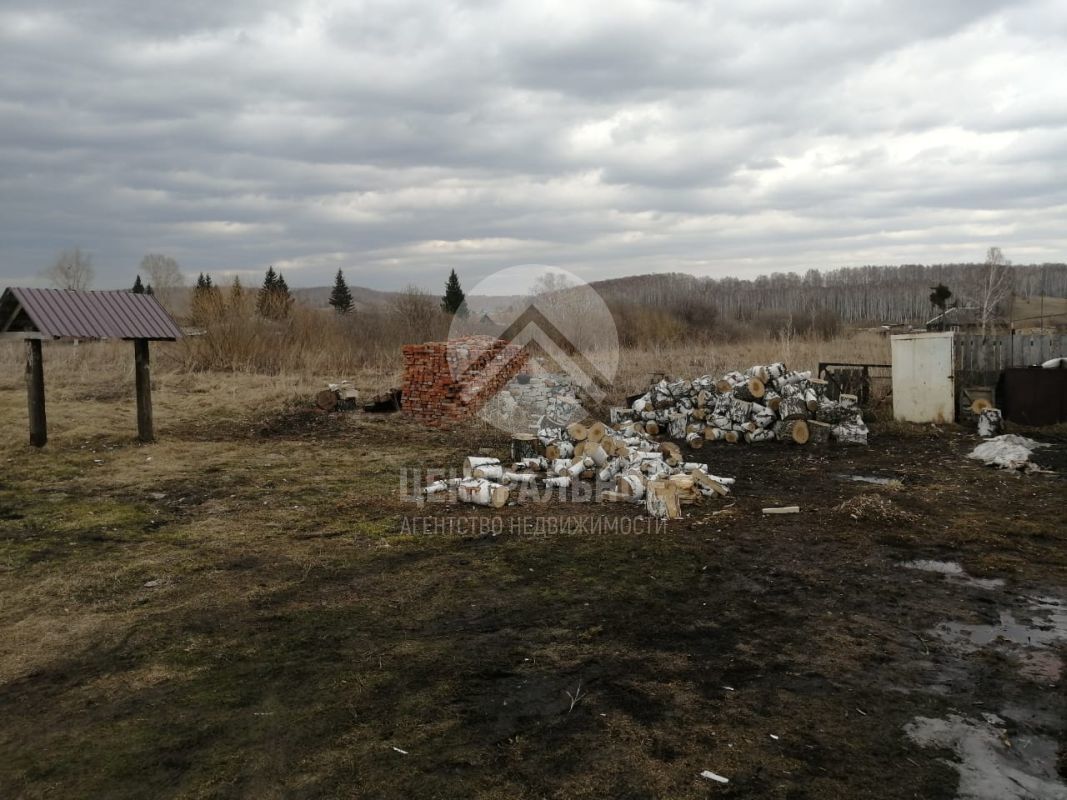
[(923, 384)]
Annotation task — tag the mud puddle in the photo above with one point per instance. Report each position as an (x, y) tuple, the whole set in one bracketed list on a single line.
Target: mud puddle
[(954, 571), (1012, 755), (992, 764), (1049, 627)]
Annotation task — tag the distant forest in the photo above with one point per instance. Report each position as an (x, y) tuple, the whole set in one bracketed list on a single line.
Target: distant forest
[(853, 295)]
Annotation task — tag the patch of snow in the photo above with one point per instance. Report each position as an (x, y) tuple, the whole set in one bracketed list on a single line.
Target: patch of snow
[(1007, 452)]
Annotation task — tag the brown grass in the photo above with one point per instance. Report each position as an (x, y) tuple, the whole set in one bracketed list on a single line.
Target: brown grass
[(263, 362), (638, 365)]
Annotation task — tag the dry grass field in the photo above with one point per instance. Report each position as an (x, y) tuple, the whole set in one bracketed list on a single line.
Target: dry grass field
[(237, 610), (101, 370)]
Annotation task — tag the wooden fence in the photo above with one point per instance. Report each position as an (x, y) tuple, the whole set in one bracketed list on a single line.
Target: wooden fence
[(981, 360), (991, 354)]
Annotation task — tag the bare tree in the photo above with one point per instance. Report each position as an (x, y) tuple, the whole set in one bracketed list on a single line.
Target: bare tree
[(164, 276), (72, 270), (991, 286), (548, 283), (417, 315)]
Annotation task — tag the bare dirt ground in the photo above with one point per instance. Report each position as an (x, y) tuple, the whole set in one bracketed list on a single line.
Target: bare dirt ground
[(235, 612)]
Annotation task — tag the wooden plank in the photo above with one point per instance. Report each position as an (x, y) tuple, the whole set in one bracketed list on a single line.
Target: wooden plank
[(142, 371), (35, 393)]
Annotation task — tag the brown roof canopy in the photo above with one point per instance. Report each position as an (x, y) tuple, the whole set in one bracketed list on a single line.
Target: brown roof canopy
[(63, 313)]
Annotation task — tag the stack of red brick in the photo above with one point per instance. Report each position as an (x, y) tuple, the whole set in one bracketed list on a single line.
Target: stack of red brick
[(445, 382)]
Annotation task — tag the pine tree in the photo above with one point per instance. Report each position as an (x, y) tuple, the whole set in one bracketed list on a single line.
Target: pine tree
[(285, 299), (237, 293), (274, 300), (148, 289), (453, 301), (138, 287), (207, 299), (939, 299), (341, 297), (266, 293)]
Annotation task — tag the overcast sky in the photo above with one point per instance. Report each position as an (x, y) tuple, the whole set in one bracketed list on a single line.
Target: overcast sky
[(396, 139)]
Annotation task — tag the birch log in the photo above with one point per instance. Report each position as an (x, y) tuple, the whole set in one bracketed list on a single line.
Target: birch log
[(559, 449), (661, 500), (818, 432), (760, 373), (577, 431), (850, 433), (990, 422), (632, 484), (519, 477), (470, 462), (523, 445), (750, 389), (596, 432), (714, 434), (794, 431), (759, 435), (793, 406), (707, 482), (489, 472), (483, 493)]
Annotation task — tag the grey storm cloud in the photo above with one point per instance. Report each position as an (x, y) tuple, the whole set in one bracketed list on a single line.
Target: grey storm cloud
[(396, 139)]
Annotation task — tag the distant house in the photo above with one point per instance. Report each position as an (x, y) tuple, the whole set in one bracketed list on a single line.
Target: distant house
[(487, 320), (956, 319)]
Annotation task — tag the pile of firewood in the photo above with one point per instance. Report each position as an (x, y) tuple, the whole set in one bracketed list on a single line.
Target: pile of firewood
[(762, 404), (341, 396), (640, 469)]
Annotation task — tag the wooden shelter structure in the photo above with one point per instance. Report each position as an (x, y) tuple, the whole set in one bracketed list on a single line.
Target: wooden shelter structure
[(39, 314)]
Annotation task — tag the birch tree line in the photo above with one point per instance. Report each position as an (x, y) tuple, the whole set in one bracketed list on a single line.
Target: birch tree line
[(870, 294)]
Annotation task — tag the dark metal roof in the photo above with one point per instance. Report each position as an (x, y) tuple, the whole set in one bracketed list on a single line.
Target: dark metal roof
[(85, 315), (958, 315)]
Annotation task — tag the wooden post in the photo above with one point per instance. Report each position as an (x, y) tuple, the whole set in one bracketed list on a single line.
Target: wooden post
[(144, 390), (35, 393)]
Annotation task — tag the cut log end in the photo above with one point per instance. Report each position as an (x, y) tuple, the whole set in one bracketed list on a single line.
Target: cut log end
[(326, 400), (577, 431), (795, 431), (596, 432)]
